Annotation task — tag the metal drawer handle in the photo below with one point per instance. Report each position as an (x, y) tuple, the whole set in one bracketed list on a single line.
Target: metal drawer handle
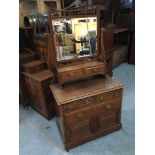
[(87, 101), (109, 106), (80, 115)]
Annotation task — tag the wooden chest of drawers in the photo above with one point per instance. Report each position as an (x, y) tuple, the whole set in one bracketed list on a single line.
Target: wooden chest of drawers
[(24, 57), (88, 109), (40, 96), (82, 70)]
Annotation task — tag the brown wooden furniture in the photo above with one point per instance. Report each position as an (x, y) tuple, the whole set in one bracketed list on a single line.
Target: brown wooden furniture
[(108, 37), (115, 52), (89, 109), (77, 71), (37, 76), (40, 96), (76, 67), (43, 47), (121, 46), (24, 57)]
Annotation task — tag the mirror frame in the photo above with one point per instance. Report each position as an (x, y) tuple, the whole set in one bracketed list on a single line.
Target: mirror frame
[(77, 13)]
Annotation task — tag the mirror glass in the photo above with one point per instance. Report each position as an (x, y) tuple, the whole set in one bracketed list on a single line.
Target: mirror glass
[(75, 37)]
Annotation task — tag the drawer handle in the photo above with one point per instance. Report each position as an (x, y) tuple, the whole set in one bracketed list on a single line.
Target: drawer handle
[(80, 115), (87, 102), (101, 98), (109, 106), (71, 74)]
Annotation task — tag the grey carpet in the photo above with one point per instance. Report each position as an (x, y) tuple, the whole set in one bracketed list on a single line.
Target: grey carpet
[(41, 137)]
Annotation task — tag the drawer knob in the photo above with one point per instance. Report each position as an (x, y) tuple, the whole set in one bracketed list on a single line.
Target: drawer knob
[(71, 74), (87, 102), (109, 106), (95, 70), (101, 98)]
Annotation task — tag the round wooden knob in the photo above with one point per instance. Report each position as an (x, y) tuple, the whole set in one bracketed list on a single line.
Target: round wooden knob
[(95, 70), (71, 74), (101, 98), (87, 101)]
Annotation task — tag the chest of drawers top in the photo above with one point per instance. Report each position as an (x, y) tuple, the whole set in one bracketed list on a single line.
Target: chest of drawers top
[(83, 89)]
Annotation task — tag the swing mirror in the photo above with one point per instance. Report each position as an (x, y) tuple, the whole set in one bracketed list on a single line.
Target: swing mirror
[(75, 37)]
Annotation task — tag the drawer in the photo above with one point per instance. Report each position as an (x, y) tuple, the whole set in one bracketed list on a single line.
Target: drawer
[(86, 114), (109, 96), (95, 70), (76, 105), (107, 108), (70, 107), (78, 117), (66, 76)]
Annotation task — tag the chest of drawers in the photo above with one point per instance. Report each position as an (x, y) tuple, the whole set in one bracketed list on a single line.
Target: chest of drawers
[(88, 109), (82, 70)]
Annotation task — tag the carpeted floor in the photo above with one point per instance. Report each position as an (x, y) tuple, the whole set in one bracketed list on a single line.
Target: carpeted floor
[(41, 137)]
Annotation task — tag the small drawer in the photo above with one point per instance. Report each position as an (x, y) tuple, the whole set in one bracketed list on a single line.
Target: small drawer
[(66, 76), (108, 107), (78, 117), (109, 96), (83, 103), (94, 70), (86, 102), (70, 107)]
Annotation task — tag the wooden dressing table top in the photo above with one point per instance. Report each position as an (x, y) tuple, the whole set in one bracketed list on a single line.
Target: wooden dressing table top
[(80, 65), (83, 89)]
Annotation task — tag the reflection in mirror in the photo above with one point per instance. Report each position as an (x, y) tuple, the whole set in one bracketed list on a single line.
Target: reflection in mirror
[(75, 37)]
